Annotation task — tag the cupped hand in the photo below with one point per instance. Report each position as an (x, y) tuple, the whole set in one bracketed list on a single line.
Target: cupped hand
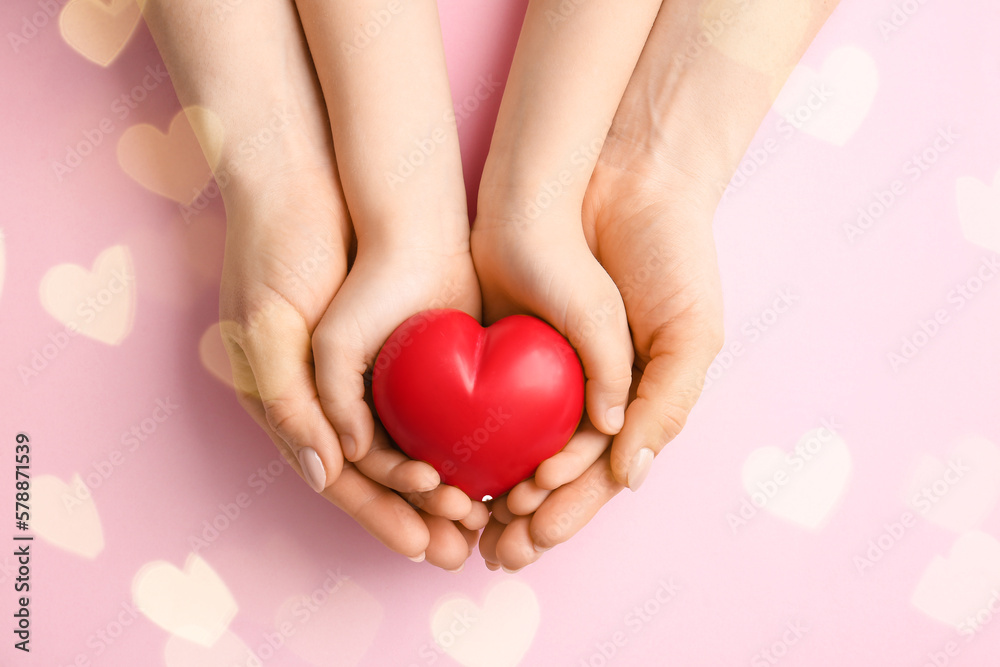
[(289, 249), (544, 268), (650, 229)]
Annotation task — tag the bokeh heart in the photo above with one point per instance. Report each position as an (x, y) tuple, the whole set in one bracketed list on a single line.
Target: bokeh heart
[(484, 406)]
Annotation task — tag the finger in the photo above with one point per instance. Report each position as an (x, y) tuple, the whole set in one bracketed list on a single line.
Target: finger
[(596, 325), (471, 537), (341, 362), (380, 511), (570, 507), (271, 357), (500, 510), (488, 543), (478, 516), (392, 468), (585, 447), (526, 497), (670, 386), (444, 501), (385, 515), (515, 549), (448, 547)]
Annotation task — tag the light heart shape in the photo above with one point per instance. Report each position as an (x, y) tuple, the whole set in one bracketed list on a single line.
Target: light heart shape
[(498, 634), (228, 650), (98, 30), (816, 472), (979, 211), (339, 618), (213, 355), (193, 603), (176, 164), (65, 515), (953, 589), (98, 303), (756, 33), (841, 94), (960, 493)]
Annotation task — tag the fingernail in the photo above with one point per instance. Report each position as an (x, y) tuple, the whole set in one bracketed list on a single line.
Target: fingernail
[(312, 469), (639, 469), (459, 568), (348, 446), (493, 567), (418, 559), (504, 568), (429, 484), (615, 417), (541, 550)]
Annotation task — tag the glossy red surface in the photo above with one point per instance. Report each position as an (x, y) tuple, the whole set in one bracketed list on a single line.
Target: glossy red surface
[(484, 406)]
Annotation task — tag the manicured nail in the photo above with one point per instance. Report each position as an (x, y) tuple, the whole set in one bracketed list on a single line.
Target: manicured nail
[(459, 568), (418, 559), (541, 550), (504, 568), (349, 447), (616, 418), (493, 567), (639, 469), (312, 469)]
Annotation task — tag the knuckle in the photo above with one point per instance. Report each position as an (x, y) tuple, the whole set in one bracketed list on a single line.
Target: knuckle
[(617, 384), (670, 421), (282, 415)]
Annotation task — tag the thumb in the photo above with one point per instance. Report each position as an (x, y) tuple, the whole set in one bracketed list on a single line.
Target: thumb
[(272, 361), (596, 325), (669, 388)]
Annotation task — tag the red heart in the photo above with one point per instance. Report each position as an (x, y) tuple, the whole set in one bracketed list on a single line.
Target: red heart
[(483, 406)]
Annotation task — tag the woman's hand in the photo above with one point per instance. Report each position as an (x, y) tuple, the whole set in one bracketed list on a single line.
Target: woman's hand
[(684, 122), (288, 250)]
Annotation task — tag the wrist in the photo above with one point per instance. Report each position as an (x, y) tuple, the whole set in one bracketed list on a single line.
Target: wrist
[(518, 192), (443, 235)]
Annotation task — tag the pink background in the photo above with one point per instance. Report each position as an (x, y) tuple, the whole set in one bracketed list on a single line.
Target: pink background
[(738, 591)]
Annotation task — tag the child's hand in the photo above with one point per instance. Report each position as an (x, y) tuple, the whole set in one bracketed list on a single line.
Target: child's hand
[(548, 271), (527, 242), (384, 287)]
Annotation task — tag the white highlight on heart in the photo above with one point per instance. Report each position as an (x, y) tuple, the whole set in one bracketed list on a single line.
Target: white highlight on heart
[(830, 104), (194, 604), (802, 486), (65, 515), (979, 211), (963, 587), (498, 634), (98, 303), (960, 493)]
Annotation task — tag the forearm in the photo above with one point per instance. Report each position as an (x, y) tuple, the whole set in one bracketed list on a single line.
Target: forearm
[(567, 78), (707, 77), (381, 63), (248, 67)]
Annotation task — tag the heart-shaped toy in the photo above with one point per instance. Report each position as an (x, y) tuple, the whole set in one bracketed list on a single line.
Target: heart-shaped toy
[(484, 406)]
